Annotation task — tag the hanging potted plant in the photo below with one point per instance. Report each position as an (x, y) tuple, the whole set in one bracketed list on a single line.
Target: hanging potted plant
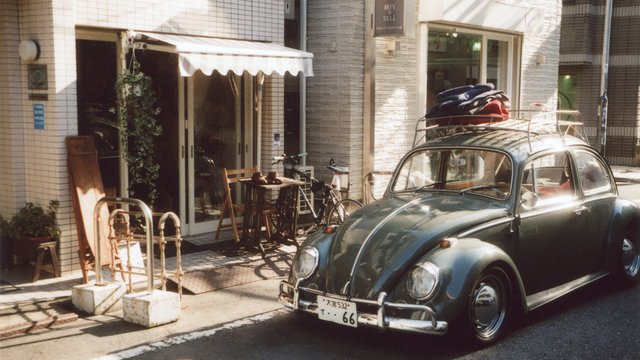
[(137, 111), (31, 226)]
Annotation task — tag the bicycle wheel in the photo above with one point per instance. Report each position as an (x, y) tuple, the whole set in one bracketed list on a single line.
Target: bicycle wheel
[(342, 210), (284, 214)]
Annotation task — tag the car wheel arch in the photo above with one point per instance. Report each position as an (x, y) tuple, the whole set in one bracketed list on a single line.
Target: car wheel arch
[(466, 261), (625, 215)]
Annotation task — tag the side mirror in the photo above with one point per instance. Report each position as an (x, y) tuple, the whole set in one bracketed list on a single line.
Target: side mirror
[(528, 200)]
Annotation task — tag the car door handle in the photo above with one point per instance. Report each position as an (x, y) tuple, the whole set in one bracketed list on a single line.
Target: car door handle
[(580, 209)]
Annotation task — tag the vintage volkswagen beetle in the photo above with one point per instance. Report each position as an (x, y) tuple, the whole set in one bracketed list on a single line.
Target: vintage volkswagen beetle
[(474, 228)]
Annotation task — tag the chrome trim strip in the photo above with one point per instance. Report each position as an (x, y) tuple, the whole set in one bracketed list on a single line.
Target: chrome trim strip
[(378, 320), (373, 232), (484, 226), (561, 206), (538, 299)]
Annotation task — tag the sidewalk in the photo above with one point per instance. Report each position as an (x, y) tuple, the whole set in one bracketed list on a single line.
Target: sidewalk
[(26, 307), (626, 173)]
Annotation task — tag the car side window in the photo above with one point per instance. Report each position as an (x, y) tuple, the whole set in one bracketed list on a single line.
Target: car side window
[(594, 177), (547, 180)]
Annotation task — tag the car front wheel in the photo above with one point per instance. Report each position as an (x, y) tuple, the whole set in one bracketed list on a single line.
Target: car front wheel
[(488, 307)]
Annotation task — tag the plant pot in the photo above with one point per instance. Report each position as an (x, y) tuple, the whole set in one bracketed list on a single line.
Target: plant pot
[(35, 241)]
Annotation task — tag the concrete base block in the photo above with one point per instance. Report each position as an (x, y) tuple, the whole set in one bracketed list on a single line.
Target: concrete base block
[(158, 308), (98, 299)]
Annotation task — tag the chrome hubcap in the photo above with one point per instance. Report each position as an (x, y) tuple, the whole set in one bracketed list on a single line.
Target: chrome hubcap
[(488, 306), (630, 256)]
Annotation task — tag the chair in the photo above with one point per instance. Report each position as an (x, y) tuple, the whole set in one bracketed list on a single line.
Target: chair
[(229, 177), (86, 190)]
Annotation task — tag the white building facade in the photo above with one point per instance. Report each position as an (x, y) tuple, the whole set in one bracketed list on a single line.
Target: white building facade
[(362, 102), (368, 91), (217, 110)]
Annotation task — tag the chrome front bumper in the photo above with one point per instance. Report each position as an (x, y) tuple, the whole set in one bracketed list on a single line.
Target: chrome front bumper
[(379, 320)]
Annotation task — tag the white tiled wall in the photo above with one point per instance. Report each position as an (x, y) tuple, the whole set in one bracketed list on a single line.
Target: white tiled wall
[(539, 82), (35, 168), (12, 186)]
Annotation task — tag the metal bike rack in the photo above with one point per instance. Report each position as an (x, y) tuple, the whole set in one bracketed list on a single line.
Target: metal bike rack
[(124, 235), (163, 243), (149, 233)]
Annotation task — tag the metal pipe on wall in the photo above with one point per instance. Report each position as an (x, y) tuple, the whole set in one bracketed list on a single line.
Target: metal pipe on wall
[(604, 75), (303, 82)]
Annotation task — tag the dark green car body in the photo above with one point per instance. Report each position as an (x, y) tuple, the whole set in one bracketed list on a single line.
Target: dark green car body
[(545, 248)]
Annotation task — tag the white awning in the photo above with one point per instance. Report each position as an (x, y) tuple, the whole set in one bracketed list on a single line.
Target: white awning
[(208, 54)]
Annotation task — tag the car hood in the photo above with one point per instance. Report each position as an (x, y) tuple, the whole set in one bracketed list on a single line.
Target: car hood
[(376, 245)]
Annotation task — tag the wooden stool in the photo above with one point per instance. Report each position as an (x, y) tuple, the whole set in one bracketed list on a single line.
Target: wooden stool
[(40, 250)]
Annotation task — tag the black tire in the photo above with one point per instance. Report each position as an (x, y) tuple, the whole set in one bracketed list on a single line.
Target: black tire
[(629, 267), (488, 310), (342, 210)]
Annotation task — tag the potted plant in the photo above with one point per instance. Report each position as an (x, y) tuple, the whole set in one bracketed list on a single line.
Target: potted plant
[(31, 226)]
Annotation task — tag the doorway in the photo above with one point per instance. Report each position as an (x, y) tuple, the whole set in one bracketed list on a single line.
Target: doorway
[(220, 114), (208, 123)]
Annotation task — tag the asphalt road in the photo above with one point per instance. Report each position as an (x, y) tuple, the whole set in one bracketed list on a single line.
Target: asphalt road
[(599, 321)]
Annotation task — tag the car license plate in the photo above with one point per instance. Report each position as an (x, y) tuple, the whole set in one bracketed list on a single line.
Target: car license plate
[(338, 311)]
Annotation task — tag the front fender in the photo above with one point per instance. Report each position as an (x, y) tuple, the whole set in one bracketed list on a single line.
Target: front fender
[(625, 214), (322, 242), (460, 266)]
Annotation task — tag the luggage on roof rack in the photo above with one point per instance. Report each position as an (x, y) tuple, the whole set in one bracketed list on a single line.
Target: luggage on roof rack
[(532, 122)]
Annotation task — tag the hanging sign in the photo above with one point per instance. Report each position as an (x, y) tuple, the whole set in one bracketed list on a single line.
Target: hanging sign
[(389, 18), (38, 116)]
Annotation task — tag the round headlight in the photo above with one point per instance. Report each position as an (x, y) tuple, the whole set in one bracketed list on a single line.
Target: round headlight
[(306, 263), (423, 281)]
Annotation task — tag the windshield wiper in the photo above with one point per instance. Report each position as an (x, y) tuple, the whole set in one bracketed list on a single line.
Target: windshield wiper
[(428, 186), (479, 187)]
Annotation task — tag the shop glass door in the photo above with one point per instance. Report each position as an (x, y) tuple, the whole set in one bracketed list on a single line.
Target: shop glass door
[(216, 138)]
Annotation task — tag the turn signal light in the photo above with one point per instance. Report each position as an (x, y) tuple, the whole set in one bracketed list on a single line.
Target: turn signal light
[(446, 243), (330, 229)]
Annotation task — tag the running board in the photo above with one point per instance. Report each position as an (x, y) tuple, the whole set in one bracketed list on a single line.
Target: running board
[(538, 299)]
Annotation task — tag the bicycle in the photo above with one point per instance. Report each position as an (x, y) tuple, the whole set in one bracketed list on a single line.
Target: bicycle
[(332, 210), (373, 185)]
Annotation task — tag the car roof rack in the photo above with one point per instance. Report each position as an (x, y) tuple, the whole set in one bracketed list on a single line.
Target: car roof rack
[(530, 122)]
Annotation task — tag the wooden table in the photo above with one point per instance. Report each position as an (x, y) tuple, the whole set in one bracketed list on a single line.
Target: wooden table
[(255, 195)]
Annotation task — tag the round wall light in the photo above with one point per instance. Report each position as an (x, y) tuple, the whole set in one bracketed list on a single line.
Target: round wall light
[(29, 50)]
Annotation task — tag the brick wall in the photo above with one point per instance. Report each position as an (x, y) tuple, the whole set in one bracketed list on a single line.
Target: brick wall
[(335, 94), (584, 64), (396, 97)]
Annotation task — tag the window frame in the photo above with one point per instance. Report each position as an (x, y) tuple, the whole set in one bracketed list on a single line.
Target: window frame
[(551, 202), (514, 57), (595, 191)]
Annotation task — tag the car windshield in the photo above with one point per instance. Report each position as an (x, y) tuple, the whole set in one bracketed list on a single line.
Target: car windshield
[(482, 172)]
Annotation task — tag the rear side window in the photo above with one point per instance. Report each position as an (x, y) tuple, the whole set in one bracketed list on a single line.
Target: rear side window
[(593, 174)]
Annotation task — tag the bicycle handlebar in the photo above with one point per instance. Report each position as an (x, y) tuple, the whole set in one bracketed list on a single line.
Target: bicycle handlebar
[(283, 157)]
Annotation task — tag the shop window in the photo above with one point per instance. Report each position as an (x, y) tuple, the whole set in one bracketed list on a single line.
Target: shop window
[(466, 57)]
